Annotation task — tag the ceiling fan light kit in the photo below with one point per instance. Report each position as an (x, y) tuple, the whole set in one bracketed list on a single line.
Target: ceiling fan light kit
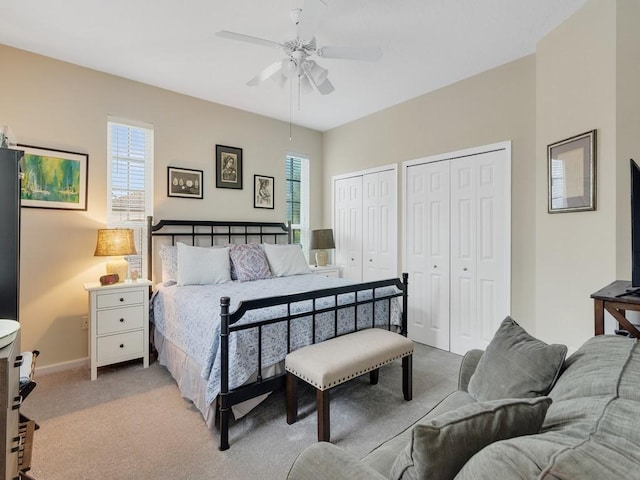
[(305, 84), (299, 47)]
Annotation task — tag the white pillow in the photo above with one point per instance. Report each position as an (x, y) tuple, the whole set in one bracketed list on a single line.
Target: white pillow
[(286, 260), (202, 266)]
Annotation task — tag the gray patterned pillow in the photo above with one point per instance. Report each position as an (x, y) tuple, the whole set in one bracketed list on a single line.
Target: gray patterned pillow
[(169, 258), (439, 449), (516, 365), (249, 262)]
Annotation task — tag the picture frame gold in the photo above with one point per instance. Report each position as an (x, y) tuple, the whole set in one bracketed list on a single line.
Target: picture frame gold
[(571, 169)]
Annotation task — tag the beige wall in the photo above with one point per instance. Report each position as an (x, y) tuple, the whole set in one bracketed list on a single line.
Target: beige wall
[(494, 106), (584, 75), (627, 123), (57, 105), (576, 92)]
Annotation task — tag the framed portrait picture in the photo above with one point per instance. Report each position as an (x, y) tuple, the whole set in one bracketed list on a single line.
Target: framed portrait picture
[(53, 178), (572, 174), (262, 191), (228, 167), (184, 182)]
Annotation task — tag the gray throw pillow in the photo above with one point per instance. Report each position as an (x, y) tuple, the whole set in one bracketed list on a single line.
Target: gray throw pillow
[(516, 365), (439, 449)]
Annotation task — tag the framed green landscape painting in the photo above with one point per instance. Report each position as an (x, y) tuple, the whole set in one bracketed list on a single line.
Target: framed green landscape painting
[(53, 178)]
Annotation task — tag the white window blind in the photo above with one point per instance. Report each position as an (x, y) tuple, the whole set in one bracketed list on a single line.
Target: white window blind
[(297, 193), (130, 183)]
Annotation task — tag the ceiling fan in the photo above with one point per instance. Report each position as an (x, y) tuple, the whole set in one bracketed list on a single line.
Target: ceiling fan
[(298, 47)]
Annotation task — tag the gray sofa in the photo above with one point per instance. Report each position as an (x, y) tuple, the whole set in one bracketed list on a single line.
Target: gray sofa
[(591, 429)]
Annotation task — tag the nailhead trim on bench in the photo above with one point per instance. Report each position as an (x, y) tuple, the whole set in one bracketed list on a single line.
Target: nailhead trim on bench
[(348, 356), (350, 376)]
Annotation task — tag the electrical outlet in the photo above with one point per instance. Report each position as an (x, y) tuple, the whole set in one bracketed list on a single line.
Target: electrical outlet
[(85, 322)]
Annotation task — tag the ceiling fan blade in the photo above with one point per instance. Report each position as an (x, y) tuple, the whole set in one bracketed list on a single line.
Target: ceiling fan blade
[(310, 17), (248, 39), (325, 87), (268, 72), (370, 54)]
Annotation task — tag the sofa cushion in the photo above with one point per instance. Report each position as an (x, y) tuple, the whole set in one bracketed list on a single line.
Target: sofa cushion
[(516, 365), (439, 449), (592, 429), (382, 457)]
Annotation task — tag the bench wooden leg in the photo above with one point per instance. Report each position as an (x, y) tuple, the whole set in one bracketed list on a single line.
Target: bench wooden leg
[(373, 376), (407, 377), (291, 389), (324, 419)]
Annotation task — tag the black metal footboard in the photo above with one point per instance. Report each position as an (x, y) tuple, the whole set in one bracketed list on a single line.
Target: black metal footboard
[(370, 293)]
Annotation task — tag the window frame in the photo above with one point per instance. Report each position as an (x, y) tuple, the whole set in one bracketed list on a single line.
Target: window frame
[(303, 226), (139, 227)]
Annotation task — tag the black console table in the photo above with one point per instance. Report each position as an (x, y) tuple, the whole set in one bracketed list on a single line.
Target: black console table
[(616, 299)]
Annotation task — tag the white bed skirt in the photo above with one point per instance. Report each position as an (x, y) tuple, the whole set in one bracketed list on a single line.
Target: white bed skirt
[(186, 373)]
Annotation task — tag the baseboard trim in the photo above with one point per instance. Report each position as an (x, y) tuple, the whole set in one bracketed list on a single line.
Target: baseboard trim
[(59, 367)]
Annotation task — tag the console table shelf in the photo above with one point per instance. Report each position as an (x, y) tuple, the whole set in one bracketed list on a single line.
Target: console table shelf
[(616, 298)]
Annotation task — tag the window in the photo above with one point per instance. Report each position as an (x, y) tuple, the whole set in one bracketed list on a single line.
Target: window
[(130, 183), (297, 191)]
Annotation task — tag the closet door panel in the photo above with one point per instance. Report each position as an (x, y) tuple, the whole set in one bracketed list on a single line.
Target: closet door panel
[(371, 227), (493, 235), (341, 221), (354, 250), (478, 261), (348, 226), (428, 253), (381, 227), (463, 252)]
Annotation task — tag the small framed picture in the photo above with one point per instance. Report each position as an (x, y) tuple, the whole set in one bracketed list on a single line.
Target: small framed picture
[(53, 178), (184, 182), (572, 174), (262, 191), (228, 167)]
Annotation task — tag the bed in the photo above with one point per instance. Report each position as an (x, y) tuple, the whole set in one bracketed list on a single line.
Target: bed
[(224, 339)]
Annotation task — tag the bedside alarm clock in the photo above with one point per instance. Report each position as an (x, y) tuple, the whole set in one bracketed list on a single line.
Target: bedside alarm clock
[(109, 279)]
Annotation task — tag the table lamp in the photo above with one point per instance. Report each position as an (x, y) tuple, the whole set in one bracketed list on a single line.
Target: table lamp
[(115, 243), (321, 241)]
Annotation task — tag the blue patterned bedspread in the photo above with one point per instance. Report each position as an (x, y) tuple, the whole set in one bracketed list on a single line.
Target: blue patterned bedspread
[(189, 317)]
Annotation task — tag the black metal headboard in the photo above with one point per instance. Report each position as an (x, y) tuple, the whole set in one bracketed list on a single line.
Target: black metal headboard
[(203, 232)]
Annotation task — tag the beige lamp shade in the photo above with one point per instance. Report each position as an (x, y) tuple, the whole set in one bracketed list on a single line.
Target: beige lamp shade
[(115, 243), (321, 241)]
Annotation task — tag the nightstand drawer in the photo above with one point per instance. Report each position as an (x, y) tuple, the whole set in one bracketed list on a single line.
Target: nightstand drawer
[(118, 299), (112, 348), (119, 319), (329, 273)]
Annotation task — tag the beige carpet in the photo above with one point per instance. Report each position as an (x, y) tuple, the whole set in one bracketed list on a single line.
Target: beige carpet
[(132, 423)]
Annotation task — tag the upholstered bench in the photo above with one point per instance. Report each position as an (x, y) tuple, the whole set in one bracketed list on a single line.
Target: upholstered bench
[(332, 362)]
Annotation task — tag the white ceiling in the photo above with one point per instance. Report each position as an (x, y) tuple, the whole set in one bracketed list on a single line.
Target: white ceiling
[(426, 44)]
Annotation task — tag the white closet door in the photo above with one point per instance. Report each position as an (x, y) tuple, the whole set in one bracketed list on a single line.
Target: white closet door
[(348, 226), (427, 255), (379, 219), (479, 298)]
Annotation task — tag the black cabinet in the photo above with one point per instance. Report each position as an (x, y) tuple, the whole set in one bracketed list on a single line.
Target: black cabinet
[(9, 233)]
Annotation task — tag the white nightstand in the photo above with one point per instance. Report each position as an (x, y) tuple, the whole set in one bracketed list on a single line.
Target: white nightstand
[(327, 271), (118, 323)]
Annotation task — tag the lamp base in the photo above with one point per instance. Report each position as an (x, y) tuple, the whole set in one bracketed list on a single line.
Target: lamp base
[(321, 258), (118, 265)]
